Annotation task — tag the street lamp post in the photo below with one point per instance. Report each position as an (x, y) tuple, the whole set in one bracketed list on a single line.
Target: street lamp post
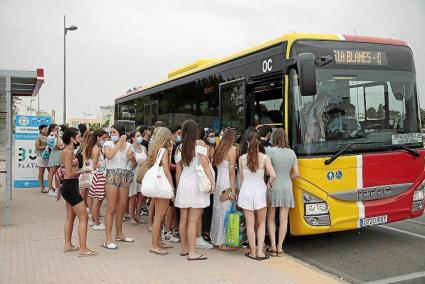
[(65, 31)]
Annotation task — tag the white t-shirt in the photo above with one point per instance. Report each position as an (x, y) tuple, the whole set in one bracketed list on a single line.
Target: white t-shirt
[(119, 160)]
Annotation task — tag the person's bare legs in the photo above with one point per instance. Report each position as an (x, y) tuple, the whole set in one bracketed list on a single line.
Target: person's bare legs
[(250, 231), (139, 204), (69, 226), (121, 208), (89, 204), (169, 218), (80, 211), (151, 212), (192, 228), (184, 213), (271, 226), (161, 206), (283, 221), (131, 207), (111, 197), (84, 193), (261, 230), (96, 211), (52, 171), (41, 177), (199, 225)]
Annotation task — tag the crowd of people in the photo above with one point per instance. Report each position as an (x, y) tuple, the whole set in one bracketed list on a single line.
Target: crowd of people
[(202, 173)]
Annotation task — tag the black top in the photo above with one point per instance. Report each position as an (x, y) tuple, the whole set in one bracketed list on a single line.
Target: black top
[(146, 144)]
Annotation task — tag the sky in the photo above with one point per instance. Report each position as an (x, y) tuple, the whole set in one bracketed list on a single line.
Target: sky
[(126, 43)]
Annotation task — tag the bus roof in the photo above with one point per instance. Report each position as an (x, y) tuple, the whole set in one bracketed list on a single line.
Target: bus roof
[(205, 63)]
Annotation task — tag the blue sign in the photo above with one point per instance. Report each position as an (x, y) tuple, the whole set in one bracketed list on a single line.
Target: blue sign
[(330, 175), (338, 174)]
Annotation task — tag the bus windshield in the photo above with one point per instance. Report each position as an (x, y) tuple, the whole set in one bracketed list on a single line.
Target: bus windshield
[(356, 103)]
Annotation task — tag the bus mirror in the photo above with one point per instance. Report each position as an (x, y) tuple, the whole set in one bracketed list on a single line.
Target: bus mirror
[(307, 73)]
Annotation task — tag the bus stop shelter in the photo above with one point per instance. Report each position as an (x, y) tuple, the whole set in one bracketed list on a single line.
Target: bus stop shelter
[(12, 83)]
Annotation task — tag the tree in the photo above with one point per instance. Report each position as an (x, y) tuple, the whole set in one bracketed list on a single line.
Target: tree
[(423, 117)]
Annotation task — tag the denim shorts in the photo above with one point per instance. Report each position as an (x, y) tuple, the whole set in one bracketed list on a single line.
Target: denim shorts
[(119, 178)]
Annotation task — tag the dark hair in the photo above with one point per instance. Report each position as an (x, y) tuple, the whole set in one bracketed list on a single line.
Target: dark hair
[(63, 127), (41, 127), (143, 128), (264, 130), (132, 134), (83, 128), (160, 124), (93, 141), (119, 127), (69, 133), (174, 129), (244, 140), (51, 127), (190, 133), (253, 151), (224, 147)]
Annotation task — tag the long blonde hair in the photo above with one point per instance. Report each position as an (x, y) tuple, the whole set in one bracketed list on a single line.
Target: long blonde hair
[(161, 139)]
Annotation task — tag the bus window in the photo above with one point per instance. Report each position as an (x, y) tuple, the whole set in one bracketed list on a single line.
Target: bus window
[(266, 99), (232, 105)]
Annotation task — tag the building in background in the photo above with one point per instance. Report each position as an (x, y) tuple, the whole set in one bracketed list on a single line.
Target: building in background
[(92, 123), (106, 116)]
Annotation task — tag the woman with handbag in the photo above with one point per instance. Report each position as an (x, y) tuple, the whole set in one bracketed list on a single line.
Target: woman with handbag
[(157, 184), (253, 194), (195, 181), (134, 195), (94, 151), (119, 175), (225, 194)]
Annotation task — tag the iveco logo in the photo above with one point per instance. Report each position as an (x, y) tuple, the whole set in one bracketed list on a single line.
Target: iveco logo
[(374, 192)]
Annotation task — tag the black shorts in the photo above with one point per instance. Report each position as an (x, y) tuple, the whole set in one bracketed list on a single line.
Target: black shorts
[(70, 191)]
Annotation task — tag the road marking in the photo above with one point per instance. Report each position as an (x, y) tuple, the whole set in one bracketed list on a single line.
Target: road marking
[(416, 222), (403, 231), (399, 278)]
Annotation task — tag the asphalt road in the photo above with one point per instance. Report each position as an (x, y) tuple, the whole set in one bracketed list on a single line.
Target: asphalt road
[(370, 254)]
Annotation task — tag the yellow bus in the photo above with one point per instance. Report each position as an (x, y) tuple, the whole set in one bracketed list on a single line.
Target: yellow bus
[(348, 103)]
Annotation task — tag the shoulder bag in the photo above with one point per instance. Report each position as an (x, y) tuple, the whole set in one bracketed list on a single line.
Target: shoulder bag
[(203, 180), (155, 184)]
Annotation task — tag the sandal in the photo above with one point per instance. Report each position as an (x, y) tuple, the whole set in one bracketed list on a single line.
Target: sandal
[(44, 190), (279, 253), (74, 248), (271, 252), (248, 254), (262, 257), (125, 240), (166, 246), (201, 257), (160, 252), (184, 254), (112, 246), (89, 253)]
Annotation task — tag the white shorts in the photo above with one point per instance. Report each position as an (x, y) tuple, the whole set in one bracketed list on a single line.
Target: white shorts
[(41, 163)]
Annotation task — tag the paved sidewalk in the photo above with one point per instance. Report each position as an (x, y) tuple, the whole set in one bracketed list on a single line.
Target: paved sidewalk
[(31, 252)]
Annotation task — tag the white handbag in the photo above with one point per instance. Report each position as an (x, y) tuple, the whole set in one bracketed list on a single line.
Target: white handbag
[(155, 184), (203, 180)]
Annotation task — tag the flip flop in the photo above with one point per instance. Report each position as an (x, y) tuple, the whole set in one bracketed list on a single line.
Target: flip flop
[(166, 246), (201, 257), (280, 253), (184, 254), (89, 253), (271, 253), (262, 257), (161, 252), (250, 256), (74, 248), (125, 240), (112, 246)]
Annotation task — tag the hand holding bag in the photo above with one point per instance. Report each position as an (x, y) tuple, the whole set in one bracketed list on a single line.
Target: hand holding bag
[(155, 184)]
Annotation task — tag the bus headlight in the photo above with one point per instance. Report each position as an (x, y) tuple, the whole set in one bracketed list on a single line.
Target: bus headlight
[(316, 209), (418, 195)]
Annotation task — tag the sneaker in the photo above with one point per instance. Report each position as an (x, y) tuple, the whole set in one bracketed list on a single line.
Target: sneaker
[(203, 244), (99, 227), (168, 236), (52, 193), (91, 223), (176, 233)]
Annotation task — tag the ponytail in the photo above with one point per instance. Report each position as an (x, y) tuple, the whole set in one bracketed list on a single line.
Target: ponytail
[(253, 152)]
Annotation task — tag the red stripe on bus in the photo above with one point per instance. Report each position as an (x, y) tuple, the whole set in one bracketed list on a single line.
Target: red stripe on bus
[(374, 40)]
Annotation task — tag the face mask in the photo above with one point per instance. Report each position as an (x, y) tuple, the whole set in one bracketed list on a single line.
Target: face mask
[(114, 138), (139, 139), (178, 139), (211, 140), (101, 143)]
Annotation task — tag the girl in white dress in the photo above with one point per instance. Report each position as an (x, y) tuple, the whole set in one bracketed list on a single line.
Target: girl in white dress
[(188, 198), (224, 159), (253, 194), (134, 194)]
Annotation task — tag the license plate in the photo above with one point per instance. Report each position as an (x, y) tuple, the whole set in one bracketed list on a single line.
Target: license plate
[(372, 221)]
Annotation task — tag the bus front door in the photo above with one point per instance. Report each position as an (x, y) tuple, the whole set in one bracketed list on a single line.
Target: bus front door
[(232, 105)]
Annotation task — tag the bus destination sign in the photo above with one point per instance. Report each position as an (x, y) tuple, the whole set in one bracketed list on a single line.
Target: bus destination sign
[(360, 57)]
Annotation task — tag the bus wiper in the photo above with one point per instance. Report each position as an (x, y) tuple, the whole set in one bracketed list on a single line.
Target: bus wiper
[(333, 158), (412, 152)]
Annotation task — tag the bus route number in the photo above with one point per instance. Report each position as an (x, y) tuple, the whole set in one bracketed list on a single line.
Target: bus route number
[(267, 65)]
